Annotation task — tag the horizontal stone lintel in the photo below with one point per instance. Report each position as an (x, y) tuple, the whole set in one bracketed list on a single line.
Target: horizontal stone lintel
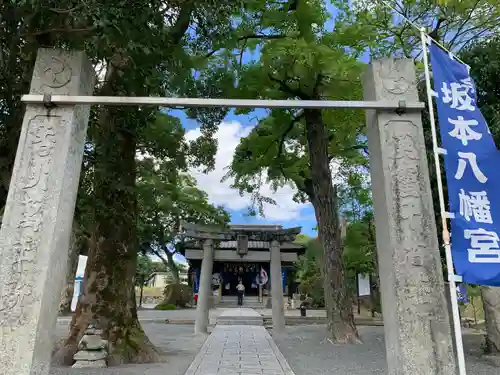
[(231, 255)]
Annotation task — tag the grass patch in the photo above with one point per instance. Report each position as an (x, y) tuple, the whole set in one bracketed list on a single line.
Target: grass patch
[(166, 306)]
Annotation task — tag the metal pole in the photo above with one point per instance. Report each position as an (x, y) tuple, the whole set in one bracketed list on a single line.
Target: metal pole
[(54, 100), (445, 233)]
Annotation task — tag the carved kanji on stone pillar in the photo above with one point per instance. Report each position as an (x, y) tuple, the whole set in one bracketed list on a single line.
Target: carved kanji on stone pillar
[(417, 330), (36, 224)]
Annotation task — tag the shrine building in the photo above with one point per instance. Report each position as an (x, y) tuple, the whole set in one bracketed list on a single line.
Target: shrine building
[(243, 252)]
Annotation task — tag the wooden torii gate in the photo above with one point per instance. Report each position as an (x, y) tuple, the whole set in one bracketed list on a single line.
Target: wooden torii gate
[(208, 235)]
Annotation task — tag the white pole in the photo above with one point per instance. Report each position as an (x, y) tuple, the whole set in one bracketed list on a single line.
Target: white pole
[(446, 234)]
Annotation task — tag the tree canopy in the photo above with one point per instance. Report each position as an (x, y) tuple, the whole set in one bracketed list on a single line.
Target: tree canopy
[(166, 198)]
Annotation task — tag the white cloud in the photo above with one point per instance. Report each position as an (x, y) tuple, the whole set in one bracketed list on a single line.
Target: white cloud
[(229, 135)]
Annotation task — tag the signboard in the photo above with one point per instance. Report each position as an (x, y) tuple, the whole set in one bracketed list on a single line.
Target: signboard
[(471, 162), (363, 285), (77, 291)]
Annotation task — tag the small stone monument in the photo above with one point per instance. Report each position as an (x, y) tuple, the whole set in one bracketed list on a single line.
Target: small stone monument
[(92, 349)]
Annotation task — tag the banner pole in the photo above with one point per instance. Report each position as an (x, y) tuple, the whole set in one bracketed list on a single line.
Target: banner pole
[(446, 234)]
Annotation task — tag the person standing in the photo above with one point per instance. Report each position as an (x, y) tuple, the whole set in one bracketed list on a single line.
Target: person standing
[(240, 288)]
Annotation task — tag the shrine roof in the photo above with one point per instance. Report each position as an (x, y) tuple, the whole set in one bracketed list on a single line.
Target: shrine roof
[(255, 227), (232, 232)]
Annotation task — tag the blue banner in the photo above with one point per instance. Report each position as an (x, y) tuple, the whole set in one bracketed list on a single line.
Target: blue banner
[(462, 293), (283, 279), (196, 283), (472, 165)]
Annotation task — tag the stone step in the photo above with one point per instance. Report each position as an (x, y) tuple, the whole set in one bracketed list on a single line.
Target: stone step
[(240, 320), (227, 322), (248, 305), (240, 316), (232, 301)]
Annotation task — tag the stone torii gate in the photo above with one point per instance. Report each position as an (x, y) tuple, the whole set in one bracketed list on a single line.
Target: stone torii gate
[(209, 235), (36, 224)]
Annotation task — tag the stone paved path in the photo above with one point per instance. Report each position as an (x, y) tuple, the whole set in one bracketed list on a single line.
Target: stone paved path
[(239, 350)]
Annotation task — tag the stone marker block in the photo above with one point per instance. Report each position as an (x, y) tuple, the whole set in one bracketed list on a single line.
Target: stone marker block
[(417, 329), (101, 363), (36, 226)]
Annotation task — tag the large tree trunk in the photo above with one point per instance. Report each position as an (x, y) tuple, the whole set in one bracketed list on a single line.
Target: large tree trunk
[(109, 293), (69, 286), (173, 267), (491, 306), (169, 265), (340, 319)]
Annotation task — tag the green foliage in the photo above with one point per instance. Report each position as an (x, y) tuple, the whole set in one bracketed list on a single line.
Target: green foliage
[(146, 267), (355, 197), (177, 295), (359, 250), (455, 23), (300, 58), (483, 56), (359, 247), (165, 306), (302, 239), (358, 258), (310, 272), (168, 196)]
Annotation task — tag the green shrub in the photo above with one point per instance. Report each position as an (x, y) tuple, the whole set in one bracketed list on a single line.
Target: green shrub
[(177, 295), (165, 306)]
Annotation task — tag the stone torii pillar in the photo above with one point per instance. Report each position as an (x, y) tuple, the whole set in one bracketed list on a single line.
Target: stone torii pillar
[(36, 225), (417, 330), (275, 237), (204, 288), (207, 236), (278, 309)]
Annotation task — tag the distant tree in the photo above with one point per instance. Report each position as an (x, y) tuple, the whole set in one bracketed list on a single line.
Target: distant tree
[(166, 198), (310, 272)]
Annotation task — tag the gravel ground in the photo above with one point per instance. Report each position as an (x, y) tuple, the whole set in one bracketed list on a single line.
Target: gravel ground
[(178, 342), (308, 353)]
